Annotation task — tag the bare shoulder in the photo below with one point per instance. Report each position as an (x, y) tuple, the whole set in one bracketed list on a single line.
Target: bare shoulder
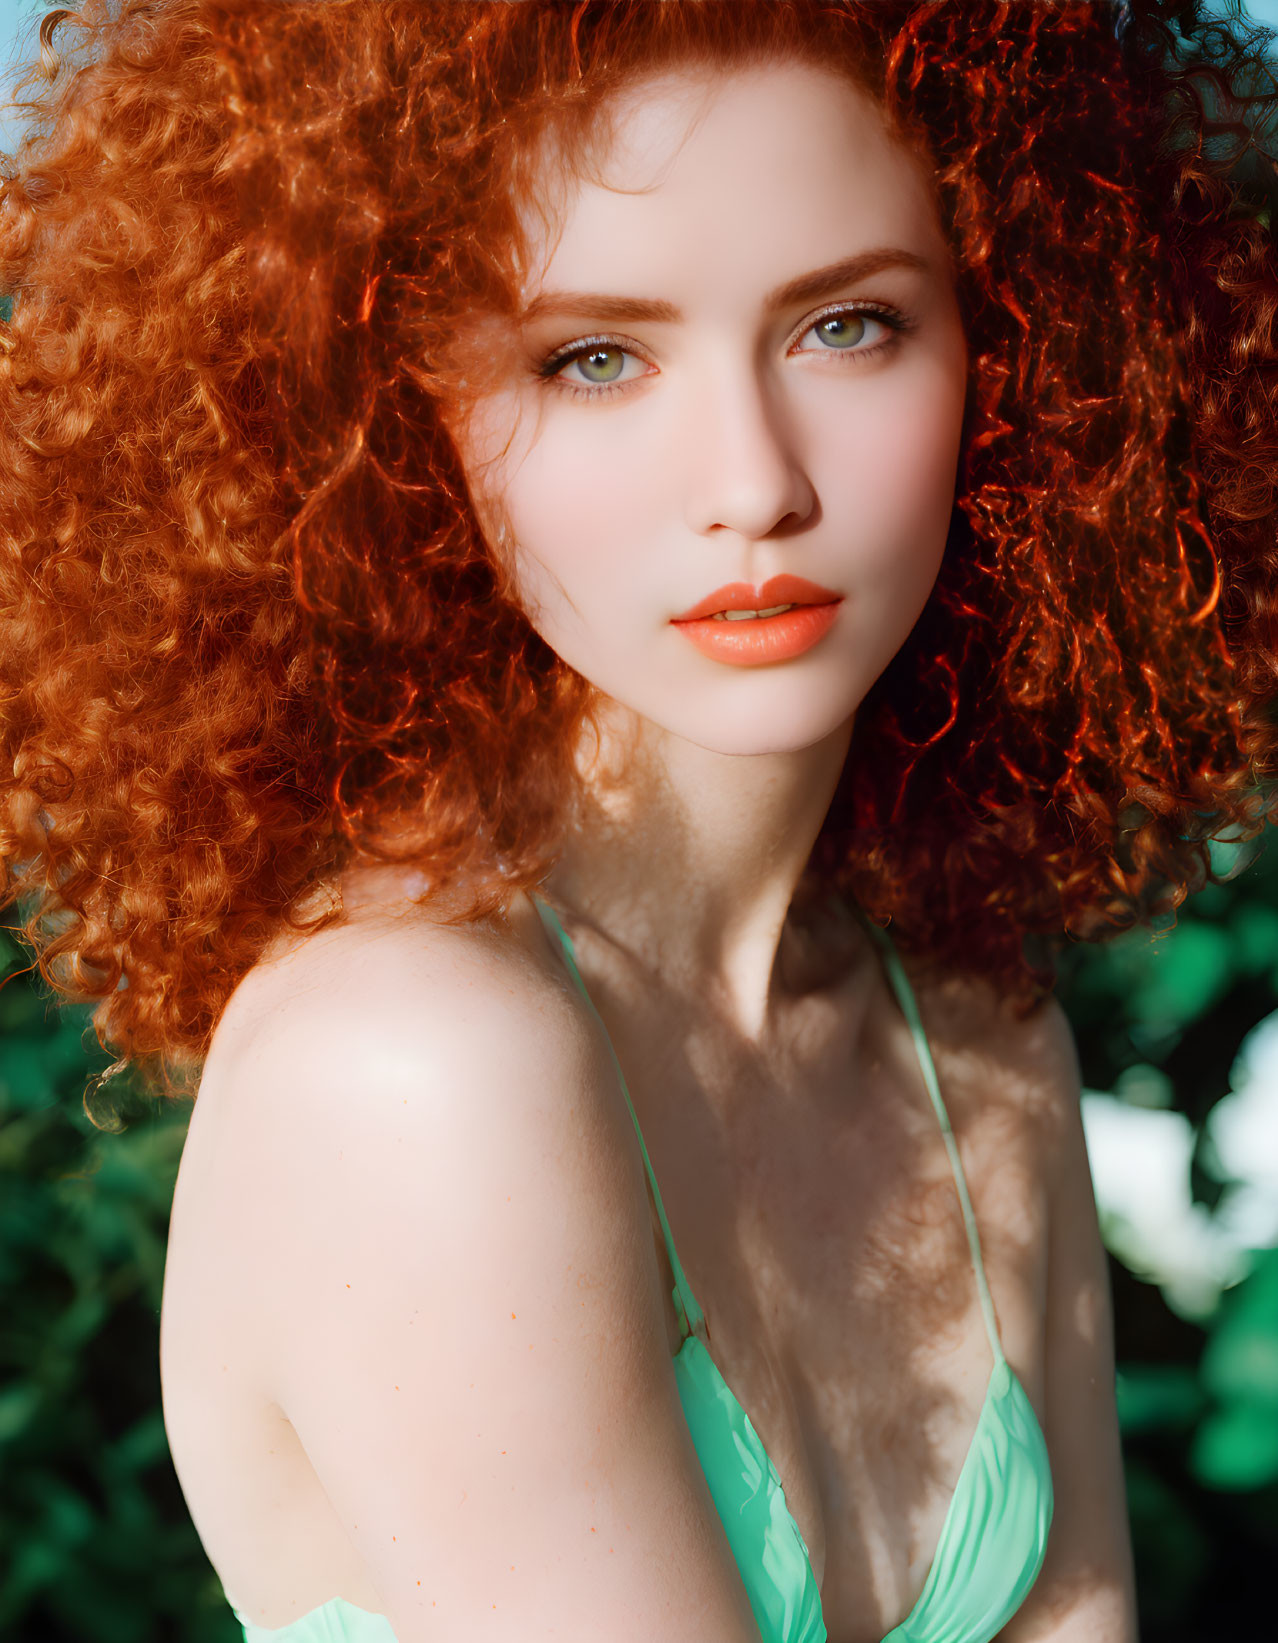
[(386, 991), (1030, 1061), (370, 1079), (365, 1083), (1011, 1087), (364, 1080)]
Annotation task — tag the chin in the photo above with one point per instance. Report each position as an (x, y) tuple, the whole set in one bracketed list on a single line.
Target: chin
[(752, 735), (746, 712)]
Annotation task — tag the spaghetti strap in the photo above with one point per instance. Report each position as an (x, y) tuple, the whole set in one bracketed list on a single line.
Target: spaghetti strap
[(691, 1318), (909, 1006)]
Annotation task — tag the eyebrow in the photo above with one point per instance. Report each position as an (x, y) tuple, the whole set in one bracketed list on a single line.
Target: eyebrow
[(806, 288)]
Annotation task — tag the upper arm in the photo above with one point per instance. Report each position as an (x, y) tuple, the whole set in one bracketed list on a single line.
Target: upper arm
[(1085, 1592), (460, 1311)]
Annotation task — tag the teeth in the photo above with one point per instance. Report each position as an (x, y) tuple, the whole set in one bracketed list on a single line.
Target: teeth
[(748, 615)]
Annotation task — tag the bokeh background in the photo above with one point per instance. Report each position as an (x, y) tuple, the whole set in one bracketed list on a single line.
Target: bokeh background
[(1177, 1032)]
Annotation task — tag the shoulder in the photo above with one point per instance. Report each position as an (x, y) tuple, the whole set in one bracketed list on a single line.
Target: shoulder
[(376, 1093), (1012, 1087), (393, 1061), (1031, 1056), (390, 996)]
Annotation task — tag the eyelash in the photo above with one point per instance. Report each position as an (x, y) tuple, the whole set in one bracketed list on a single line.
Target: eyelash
[(550, 370)]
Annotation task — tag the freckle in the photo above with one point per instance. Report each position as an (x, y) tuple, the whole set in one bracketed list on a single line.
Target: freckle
[(512, 1565), (392, 1537), (348, 1286)]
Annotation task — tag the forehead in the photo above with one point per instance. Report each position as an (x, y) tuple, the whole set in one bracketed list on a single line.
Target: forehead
[(773, 163)]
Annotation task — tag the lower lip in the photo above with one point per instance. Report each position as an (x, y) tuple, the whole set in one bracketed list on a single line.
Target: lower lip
[(761, 639)]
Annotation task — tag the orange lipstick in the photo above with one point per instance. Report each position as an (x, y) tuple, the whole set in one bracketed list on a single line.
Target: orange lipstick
[(758, 639)]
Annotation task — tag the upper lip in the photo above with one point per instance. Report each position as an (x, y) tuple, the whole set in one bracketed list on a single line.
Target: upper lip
[(777, 590)]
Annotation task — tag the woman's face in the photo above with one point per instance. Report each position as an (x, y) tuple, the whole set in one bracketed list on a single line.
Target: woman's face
[(682, 416)]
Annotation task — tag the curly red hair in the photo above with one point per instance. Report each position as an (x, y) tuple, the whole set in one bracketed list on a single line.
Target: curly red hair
[(251, 630)]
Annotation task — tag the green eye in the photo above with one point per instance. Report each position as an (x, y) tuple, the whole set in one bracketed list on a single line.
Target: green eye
[(844, 330), (592, 361), (841, 331), (602, 359)]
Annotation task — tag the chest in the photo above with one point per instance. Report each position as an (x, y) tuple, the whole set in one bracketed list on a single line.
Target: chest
[(815, 1211)]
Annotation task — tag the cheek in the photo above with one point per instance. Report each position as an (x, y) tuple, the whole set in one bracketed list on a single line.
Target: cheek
[(914, 458), (890, 476), (573, 499), (581, 510)]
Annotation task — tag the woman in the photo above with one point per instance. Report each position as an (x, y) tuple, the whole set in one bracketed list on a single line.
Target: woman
[(417, 416)]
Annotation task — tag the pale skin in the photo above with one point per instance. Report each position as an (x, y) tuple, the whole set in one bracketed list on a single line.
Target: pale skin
[(417, 1326)]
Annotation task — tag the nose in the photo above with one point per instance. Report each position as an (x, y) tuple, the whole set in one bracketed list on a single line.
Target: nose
[(744, 473)]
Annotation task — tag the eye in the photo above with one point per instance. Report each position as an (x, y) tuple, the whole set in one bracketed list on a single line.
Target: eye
[(843, 330), (601, 361)]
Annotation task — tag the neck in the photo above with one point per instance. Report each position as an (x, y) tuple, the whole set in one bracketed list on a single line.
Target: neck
[(689, 860)]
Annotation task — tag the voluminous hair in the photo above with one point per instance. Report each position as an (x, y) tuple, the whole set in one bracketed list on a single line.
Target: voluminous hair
[(254, 632)]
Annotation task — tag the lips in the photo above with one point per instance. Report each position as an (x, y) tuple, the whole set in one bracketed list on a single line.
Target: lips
[(777, 590)]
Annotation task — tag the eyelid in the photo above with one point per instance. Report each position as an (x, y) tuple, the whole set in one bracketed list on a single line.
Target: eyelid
[(855, 305), (582, 345)]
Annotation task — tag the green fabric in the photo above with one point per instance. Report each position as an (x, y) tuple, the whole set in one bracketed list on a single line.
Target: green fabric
[(336, 1621), (994, 1537), (995, 1533), (765, 1541)]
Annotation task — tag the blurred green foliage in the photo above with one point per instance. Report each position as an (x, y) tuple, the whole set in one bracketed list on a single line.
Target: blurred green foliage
[(1236, 1444), (1159, 1017), (97, 1544), (95, 1540)]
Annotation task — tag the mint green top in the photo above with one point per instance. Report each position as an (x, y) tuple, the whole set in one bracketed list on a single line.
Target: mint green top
[(994, 1537)]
